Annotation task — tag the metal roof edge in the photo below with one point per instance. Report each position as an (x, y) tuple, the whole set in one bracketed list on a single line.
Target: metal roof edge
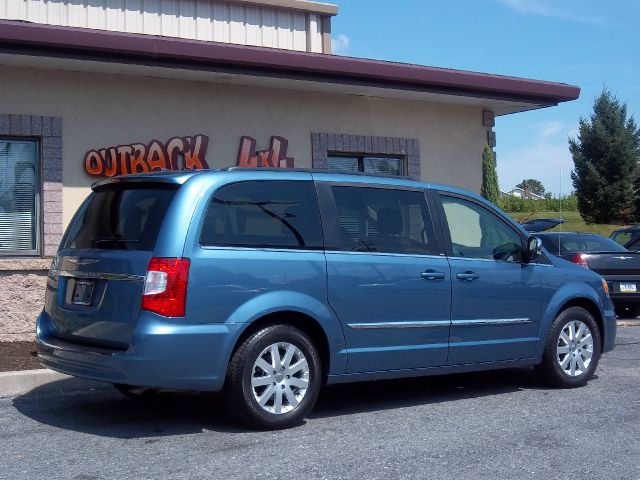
[(47, 39)]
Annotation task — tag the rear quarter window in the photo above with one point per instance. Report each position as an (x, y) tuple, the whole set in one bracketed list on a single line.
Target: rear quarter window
[(278, 214), (119, 219)]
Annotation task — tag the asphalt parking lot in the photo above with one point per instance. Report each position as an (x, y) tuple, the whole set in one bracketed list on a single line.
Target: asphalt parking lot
[(486, 425)]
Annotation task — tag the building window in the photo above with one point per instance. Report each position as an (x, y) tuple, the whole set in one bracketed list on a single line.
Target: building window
[(43, 135), (19, 196), (367, 164), (364, 153)]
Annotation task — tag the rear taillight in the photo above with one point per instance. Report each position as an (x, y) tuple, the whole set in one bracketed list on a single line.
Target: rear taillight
[(580, 259), (165, 286)]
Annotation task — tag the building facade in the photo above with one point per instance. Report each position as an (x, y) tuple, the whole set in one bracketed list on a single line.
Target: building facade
[(95, 88)]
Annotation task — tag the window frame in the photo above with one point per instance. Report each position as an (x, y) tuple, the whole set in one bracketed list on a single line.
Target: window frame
[(634, 241), (38, 184), (446, 233), (404, 162), (331, 228), (209, 203)]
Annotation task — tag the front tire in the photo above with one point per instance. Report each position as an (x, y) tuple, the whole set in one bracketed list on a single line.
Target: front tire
[(572, 350), (274, 378)]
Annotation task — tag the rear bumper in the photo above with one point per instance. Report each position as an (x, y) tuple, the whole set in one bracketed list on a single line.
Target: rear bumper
[(163, 354), (619, 299)]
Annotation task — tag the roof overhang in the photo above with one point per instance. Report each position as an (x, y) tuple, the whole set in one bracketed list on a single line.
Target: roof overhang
[(321, 8), (46, 46)]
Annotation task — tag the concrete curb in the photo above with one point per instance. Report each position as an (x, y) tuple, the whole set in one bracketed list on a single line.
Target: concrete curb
[(629, 323), (24, 381), (21, 382)]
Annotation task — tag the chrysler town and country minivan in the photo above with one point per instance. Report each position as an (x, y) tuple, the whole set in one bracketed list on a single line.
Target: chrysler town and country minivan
[(268, 284)]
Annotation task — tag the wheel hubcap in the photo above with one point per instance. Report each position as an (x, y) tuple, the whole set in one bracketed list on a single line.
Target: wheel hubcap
[(280, 378), (575, 348)]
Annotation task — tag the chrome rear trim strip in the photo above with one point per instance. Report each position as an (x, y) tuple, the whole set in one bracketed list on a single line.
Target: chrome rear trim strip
[(440, 323), (489, 321), (96, 275), (425, 324)]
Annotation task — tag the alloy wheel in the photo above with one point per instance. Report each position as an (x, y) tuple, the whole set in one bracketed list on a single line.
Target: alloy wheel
[(575, 348), (280, 378)]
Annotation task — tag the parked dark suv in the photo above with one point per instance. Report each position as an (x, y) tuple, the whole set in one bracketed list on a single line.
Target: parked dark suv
[(268, 284), (617, 265)]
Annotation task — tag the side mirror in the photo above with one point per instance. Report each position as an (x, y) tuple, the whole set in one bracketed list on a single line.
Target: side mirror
[(534, 248)]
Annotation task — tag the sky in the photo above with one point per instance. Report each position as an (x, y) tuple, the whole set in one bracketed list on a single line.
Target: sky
[(589, 43)]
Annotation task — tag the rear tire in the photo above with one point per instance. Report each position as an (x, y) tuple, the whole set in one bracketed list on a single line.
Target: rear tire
[(274, 378), (572, 350)]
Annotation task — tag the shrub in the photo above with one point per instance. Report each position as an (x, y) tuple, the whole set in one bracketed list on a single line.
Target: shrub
[(510, 203)]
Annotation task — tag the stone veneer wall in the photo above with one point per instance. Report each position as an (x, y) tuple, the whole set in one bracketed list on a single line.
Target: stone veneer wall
[(23, 280), (22, 287)]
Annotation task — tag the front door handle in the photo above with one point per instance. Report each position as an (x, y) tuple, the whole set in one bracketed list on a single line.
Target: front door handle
[(468, 276), (432, 275)]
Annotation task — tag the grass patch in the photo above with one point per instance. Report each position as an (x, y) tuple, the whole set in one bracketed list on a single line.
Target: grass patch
[(574, 222)]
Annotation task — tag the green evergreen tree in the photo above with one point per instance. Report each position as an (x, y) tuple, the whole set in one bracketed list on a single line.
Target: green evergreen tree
[(605, 155), (532, 185), (489, 189)]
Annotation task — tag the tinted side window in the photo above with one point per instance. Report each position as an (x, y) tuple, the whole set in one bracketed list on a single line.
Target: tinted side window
[(478, 233), (264, 214), (383, 220)]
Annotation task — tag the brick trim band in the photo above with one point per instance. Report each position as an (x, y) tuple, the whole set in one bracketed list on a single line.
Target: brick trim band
[(324, 143), (48, 130)]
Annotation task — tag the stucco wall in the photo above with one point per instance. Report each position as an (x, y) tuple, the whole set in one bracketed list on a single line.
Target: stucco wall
[(101, 110)]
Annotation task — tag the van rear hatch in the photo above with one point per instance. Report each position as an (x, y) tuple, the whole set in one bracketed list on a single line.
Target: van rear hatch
[(95, 285)]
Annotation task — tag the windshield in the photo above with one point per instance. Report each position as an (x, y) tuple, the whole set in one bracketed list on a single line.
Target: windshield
[(119, 218), (572, 243)]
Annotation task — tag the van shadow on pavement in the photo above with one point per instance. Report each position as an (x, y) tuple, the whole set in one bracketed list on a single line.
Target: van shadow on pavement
[(105, 412)]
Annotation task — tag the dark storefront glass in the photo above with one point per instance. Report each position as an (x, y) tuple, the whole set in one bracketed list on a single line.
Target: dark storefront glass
[(19, 195)]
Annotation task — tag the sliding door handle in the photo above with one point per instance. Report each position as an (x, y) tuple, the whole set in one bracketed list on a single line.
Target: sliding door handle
[(432, 275), (468, 276)]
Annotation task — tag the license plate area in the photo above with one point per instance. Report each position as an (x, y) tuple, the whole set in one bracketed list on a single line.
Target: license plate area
[(82, 292), (628, 287)]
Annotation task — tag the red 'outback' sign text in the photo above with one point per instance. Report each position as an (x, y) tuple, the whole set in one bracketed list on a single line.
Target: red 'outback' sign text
[(179, 153)]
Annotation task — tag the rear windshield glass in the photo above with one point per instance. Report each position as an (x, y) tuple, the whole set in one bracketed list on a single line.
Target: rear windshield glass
[(579, 243), (119, 219)]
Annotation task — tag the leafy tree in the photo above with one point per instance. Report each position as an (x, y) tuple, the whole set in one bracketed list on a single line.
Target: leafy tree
[(532, 185), (489, 189), (605, 154)]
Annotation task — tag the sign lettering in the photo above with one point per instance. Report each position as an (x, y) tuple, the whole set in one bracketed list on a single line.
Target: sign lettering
[(179, 153), (274, 157)]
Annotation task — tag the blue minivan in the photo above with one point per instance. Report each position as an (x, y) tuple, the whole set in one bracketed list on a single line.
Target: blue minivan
[(268, 284)]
